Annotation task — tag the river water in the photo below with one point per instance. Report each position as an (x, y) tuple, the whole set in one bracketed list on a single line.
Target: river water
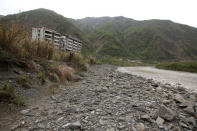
[(184, 79)]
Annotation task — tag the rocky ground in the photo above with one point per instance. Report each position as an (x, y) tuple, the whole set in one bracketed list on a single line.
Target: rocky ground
[(109, 100)]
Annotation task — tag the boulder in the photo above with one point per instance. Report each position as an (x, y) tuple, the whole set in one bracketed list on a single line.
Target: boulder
[(178, 98), (140, 127), (189, 110), (160, 121), (166, 113), (191, 120)]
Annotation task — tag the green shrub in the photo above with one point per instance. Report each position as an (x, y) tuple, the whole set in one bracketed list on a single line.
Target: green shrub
[(23, 81), (8, 95), (54, 77), (189, 66), (41, 77), (113, 61)]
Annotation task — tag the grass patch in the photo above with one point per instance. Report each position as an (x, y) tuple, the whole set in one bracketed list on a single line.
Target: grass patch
[(7, 95), (54, 77), (113, 61), (53, 89), (77, 61), (41, 77), (23, 81), (189, 66)]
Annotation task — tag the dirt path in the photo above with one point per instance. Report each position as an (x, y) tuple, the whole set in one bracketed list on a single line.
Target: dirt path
[(109, 100), (176, 78)]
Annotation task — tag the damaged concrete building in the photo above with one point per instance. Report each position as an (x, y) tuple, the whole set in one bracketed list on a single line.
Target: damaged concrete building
[(64, 42)]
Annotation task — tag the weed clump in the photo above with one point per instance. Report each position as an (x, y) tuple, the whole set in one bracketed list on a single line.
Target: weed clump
[(23, 81), (92, 60), (8, 95), (77, 61), (41, 77), (54, 77)]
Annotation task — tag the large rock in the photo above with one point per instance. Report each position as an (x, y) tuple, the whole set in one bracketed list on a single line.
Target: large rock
[(178, 98), (166, 113), (191, 120), (140, 127), (160, 121), (189, 110)]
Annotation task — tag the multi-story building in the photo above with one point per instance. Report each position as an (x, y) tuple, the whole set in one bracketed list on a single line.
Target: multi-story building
[(63, 42), (46, 34), (72, 44)]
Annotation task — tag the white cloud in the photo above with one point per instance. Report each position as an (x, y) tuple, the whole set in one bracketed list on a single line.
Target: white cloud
[(181, 11)]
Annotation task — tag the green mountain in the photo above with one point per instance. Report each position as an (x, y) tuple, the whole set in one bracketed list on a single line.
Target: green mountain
[(156, 40), (49, 19), (1, 16)]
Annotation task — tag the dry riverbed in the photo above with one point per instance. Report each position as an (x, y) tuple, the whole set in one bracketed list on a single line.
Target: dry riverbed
[(176, 78), (110, 100)]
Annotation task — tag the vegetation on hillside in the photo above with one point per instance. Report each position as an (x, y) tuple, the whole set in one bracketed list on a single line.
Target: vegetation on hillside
[(152, 40), (189, 66), (107, 44), (49, 19)]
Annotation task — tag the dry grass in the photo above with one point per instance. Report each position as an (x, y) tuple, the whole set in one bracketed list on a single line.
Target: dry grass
[(92, 60), (65, 73), (73, 59), (15, 42), (77, 61)]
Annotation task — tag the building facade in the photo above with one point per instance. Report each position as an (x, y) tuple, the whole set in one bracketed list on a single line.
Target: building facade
[(63, 42)]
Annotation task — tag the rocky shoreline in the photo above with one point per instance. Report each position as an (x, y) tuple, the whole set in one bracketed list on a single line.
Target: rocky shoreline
[(109, 100)]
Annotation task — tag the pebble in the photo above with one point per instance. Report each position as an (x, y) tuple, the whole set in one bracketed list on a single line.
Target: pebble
[(75, 125), (23, 112)]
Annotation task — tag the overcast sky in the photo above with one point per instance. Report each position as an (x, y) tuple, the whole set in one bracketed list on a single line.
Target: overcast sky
[(181, 11)]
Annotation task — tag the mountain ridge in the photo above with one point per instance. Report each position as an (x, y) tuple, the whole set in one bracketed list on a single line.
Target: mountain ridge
[(148, 39)]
